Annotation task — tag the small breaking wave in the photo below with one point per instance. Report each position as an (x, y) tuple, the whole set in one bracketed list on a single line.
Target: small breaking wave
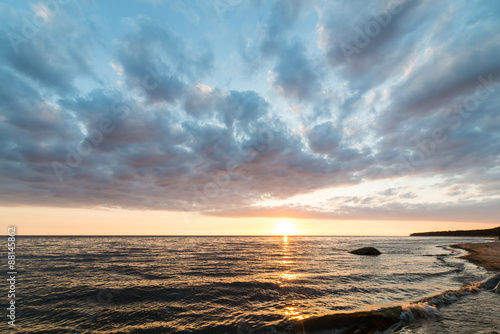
[(394, 317)]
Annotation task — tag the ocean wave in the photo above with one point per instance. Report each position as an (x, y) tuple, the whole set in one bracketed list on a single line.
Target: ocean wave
[(393, 317)]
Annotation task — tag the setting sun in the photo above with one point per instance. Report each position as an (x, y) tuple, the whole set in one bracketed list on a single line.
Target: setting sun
[(284, 227)]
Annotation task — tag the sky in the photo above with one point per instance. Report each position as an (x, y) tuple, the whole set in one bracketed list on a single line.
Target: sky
[(249, 117)]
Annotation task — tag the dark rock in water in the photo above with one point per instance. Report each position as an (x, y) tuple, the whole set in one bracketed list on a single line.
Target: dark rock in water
[(491, 283), (355, 322), (366, 251)]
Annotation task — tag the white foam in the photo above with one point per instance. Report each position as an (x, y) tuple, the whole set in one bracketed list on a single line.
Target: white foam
[(418, 310)]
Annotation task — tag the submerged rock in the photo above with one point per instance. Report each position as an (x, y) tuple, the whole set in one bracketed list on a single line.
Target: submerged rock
[(491, 283), (497, 288), (366, 251)]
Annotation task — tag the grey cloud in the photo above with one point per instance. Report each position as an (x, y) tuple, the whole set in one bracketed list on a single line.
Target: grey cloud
[(324, 138), (52, 55), (408, 195), (234, 108), (242, 107), (469, 211), (389, 192), (156, 158), (157, 62), (283, 15), (366, 61), (295, 76), (199, 102), (438, 117)]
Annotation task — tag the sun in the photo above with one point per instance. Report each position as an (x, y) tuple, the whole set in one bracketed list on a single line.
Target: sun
[(284, 227)]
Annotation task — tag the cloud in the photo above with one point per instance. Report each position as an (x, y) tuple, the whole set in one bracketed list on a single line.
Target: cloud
[(324, 138), (470, 211), (51, 46), (156, 62), (92, 116), (283, 16), (294, 75), (369, 43)]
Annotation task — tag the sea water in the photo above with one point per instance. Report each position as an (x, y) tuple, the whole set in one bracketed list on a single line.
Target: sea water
[(236, 284)]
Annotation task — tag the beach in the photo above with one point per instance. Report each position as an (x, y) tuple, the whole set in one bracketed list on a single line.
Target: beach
[(474, 313), (486, 255)]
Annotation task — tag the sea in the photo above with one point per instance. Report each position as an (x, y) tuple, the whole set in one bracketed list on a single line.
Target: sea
[(248, 284)]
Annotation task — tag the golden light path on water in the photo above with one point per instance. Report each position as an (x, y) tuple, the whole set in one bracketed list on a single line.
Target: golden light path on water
[(287, 277)]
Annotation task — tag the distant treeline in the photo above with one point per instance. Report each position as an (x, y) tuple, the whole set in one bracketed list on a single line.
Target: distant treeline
[(492, 232)]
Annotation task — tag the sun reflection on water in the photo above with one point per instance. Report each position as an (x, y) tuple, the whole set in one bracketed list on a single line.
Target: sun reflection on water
[(292, 312), (287, 277)]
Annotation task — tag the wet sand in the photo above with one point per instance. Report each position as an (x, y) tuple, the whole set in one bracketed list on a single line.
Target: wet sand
[(486, 255)]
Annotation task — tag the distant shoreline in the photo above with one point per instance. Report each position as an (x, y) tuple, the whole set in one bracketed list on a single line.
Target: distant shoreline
[(486, 255), (492, 232)]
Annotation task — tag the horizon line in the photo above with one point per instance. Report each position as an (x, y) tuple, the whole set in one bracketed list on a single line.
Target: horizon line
[(203, 235)]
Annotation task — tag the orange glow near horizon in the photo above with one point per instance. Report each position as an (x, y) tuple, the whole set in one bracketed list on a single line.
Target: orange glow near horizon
[(32, 220)]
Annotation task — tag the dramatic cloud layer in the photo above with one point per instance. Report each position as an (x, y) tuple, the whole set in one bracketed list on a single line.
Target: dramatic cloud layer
[(313, 109)]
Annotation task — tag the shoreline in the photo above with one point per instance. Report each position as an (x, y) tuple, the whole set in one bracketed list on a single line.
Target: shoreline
[(485, 254)]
